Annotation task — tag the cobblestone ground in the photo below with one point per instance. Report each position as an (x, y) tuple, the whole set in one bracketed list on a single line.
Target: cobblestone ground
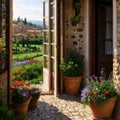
[(64, 107)]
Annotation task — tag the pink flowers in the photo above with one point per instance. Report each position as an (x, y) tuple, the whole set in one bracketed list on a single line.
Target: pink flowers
[(99, 89)]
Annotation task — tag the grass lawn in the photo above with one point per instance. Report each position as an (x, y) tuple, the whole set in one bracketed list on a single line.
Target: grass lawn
[(24, 53), (27, 55)]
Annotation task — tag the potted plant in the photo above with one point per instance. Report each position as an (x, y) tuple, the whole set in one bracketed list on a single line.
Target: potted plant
[(75, 20), (72, 68), (35, 93), (20, 99), (100, 95)]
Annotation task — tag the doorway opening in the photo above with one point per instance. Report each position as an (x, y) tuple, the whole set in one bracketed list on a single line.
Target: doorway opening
[(102, 36), (27, 41)]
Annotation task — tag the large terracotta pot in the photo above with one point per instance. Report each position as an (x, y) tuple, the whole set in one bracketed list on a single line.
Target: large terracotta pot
[(72, 84), (20, 109), (103, 110), (33, 104)]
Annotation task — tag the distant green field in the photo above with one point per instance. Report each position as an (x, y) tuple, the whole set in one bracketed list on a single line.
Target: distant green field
[(26, 56), (24, 53)]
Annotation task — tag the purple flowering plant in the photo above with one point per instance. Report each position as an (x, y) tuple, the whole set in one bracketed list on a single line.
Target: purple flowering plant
[(35, 92), (98, 89), (20, 94)]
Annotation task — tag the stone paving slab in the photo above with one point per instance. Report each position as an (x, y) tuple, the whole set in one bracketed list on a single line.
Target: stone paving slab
[(64, 107)]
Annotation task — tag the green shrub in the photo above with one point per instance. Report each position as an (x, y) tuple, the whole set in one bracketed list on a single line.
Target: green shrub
[(72, 64), (30, 72), (5, 112)]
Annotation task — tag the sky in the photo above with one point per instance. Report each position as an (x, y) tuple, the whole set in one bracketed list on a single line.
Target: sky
[(30, 9)]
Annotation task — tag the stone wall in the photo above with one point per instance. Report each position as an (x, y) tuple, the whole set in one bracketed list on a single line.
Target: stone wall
[(74, 35), (3, 84), (116, 60)]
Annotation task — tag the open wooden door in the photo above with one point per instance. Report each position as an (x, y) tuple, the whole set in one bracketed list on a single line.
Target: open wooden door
[(104, 35), (50, 44)]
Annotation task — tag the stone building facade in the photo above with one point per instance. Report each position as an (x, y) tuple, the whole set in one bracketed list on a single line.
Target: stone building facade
[(80, 38)]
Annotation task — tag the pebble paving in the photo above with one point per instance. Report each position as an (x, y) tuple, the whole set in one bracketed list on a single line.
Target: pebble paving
[(64, 107)]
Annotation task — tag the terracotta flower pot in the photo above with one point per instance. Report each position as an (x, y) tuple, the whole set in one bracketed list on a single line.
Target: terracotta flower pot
[(72, 84), (20, 109), (103, 110), (33, 104)]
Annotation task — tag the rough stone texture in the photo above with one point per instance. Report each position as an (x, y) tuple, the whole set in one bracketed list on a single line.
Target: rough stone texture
[(64, 107), (3, 84), (116, 61), (74, 35)]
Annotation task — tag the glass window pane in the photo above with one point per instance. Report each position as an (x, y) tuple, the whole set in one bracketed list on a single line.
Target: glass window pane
[(52, 65), (108, 47), (45, 23), (101, 37), (45, 37), (45, 9), (46, 49), (52, 50), (45, 62), (109, 31), (52, 24), (52, 37), (101, 14), (52, 10), (109, 13)]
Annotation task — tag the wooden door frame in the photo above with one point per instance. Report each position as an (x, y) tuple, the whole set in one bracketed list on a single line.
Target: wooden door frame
[(9, 5), (93, 37)]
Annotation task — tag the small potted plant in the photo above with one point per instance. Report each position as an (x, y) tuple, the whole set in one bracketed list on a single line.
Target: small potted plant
[(72, 68), (35, 93), (20, 100), (100, 95), (75, 20)]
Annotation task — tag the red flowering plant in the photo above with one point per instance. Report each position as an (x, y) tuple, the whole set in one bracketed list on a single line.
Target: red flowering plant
[(20, 83), (18, 74), (98, 89)]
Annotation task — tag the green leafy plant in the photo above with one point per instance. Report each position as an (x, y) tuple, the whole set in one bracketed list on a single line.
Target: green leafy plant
[(5, 112), (31, 72), (75, 20), (34, 92), (72, 65), (98, 89)]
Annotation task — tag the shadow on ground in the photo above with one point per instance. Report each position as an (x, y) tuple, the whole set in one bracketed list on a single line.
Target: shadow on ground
[(46, 111), (75, 98)]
